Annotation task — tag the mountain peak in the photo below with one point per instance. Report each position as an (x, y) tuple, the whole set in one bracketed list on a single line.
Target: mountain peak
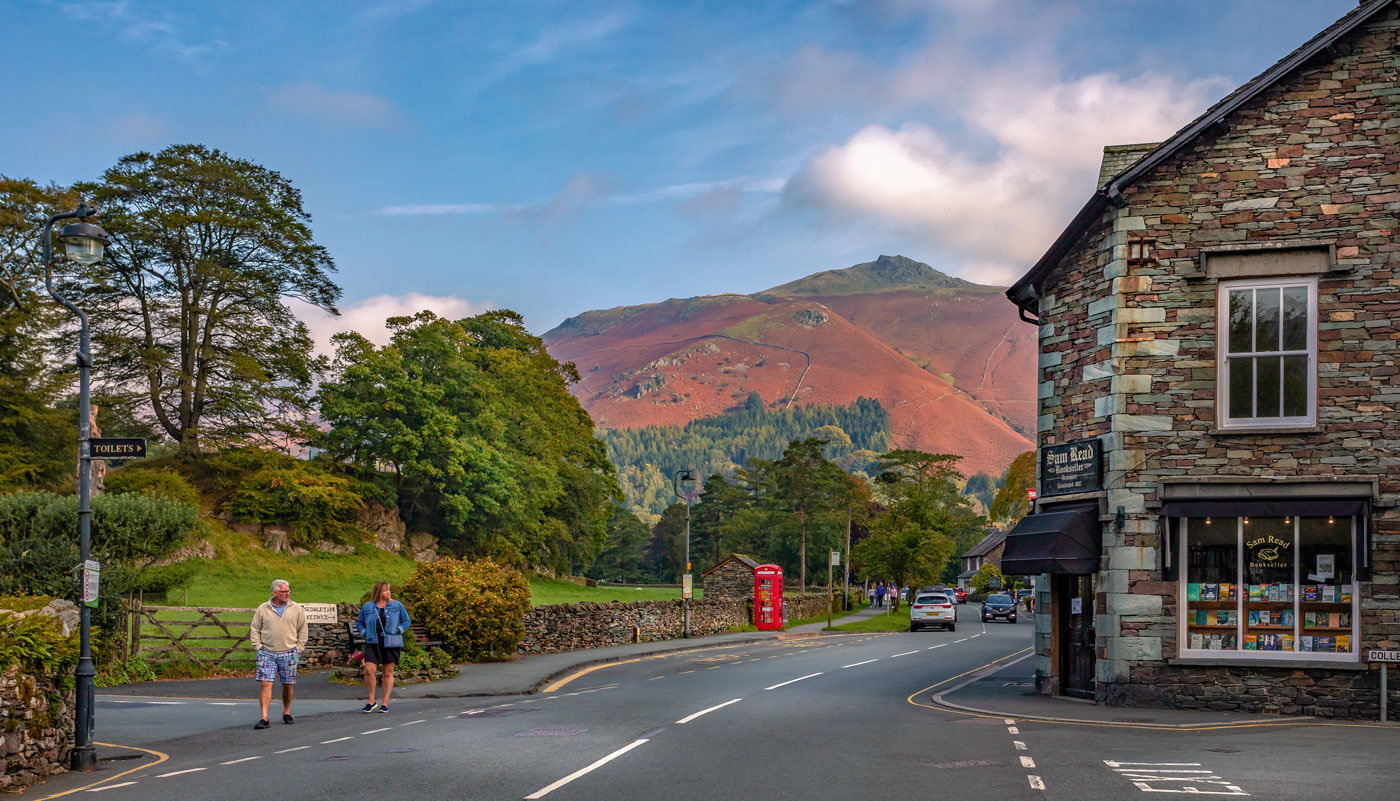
[(885, 274)]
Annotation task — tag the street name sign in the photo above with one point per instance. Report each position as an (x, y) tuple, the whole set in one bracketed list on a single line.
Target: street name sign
[(1383, 656)]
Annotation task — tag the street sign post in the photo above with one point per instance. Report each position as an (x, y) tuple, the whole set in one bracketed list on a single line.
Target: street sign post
[(92, 572), (1385, 658), (114, 448)]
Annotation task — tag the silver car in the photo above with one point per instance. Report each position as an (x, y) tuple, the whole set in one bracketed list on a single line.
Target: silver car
[(933, 609)]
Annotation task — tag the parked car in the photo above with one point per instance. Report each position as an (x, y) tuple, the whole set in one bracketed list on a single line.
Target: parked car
[(961, 595), (999, 607), (933, 609)]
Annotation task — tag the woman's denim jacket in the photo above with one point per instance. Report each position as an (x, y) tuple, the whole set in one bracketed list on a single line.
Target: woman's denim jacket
[(396, 620)]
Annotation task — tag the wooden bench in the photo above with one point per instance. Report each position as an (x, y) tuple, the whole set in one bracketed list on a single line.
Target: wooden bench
[(420, 635)]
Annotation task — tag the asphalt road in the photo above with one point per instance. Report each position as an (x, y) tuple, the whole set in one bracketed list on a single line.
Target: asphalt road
[(834, 717)]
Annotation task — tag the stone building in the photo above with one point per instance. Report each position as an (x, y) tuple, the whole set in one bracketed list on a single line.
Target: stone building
[(1218, 407), (730, 580), (988, 550)]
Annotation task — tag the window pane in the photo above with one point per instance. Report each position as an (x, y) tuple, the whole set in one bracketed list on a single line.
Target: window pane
[(1295, 386), (1295, 318), (1213, 594), (1241, 320), (1267, 382), (1267, 319), (1268, 551), (1325, 566), (1271, 622), (1241, 386)]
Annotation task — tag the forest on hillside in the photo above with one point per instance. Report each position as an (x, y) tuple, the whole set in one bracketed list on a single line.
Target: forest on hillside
[(647, 458)]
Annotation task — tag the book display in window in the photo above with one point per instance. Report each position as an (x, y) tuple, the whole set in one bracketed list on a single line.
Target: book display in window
[(1269, 585)]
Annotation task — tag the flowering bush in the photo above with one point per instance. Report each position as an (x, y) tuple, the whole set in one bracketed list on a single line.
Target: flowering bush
[(357, 659), (477, 608)]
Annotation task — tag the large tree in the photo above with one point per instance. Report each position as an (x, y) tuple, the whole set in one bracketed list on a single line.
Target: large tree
[(38, 442), (189, 315), (813, 489), (491, 451), (916, 534), (1012, 501)]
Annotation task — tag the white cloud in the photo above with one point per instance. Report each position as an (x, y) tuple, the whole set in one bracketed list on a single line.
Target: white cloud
[(148, 25), (312, 100), (366, 317), (136, 130)]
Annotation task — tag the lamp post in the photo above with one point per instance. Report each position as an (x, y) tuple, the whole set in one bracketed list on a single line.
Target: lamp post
[(685, 474), (84, 243)]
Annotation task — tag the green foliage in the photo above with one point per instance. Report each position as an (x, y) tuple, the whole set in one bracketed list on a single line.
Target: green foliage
[(36, 643), (490, 451), (982, 579), (1011, 502), (477, 608), (648, 457), (622, 557), (151, 481), (312, 504), (187, 308), (924, 523), (118, 671)]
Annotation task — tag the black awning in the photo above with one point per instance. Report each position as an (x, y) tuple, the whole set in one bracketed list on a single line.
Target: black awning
[(1266, 507), (1062, 540)]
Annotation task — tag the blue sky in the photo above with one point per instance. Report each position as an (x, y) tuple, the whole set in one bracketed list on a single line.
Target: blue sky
[(555, 157)]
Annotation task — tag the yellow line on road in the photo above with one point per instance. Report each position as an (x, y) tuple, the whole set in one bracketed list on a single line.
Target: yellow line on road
[(159, 759)]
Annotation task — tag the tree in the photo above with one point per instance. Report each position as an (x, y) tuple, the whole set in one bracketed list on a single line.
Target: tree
[(624, 552), (475, 419), (38, 442), (1012, 501), (914, 537), (805, 483), (189, 314)]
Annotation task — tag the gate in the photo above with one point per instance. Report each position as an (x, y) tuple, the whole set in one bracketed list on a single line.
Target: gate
[(208, 636)]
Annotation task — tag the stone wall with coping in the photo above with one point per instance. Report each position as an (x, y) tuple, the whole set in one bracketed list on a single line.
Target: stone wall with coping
[(37, 714)]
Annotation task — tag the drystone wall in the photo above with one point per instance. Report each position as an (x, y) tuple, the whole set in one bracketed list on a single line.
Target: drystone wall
[(36, 715)]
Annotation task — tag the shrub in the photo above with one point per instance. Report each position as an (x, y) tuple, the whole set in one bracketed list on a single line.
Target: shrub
[(312, 503), (477, 608), (151, 482), (36, 643)]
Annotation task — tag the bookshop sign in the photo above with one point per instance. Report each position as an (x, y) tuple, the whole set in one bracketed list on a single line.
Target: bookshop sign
[(1072, 467)]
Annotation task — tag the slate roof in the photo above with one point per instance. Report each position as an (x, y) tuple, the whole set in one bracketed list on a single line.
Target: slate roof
[(751, 564), (1024, 293), (988, 543)]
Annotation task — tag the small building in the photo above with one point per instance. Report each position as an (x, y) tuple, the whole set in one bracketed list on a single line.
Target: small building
[(1218, 511), (730, 580), (988, 550)]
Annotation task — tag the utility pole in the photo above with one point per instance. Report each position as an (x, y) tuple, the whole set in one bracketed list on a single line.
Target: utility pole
[(685, 474)]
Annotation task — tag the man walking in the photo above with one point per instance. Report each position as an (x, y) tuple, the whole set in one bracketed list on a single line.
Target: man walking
[(278, 634)]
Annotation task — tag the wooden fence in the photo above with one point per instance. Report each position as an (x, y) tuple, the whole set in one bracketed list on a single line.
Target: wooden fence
[(209, 636)]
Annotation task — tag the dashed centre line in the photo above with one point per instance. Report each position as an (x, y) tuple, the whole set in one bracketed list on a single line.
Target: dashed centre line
[(689, 718), (793, 681)]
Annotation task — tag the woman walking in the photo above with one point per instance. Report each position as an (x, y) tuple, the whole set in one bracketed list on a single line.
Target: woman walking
[(381, 625)]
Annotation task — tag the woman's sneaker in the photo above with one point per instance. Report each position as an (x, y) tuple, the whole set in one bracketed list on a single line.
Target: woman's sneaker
[(368, 708), (382, 708)]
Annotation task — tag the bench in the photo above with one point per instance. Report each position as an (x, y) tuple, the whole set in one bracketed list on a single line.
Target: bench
[(420, 636)]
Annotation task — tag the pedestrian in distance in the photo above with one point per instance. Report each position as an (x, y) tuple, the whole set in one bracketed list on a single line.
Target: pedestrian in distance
[(880, 595), (278, 634), (381, 625)]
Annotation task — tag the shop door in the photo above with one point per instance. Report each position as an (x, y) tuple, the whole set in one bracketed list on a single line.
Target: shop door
[(1075, 603)]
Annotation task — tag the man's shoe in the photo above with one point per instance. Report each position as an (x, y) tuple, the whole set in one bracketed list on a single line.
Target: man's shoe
[(286, 718), (262, 724), (368, 707), (382, 708)]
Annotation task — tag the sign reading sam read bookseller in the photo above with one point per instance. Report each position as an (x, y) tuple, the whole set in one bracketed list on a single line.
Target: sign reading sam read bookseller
[(1072, 467)]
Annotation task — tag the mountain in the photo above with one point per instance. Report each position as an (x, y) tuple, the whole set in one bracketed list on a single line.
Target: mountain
[(949, 359)]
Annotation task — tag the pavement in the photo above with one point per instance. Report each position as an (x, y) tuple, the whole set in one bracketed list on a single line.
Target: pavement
[(1004, 689)]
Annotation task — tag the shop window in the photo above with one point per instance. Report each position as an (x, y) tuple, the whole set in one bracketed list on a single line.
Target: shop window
[(1269, 587), (1268, 353)]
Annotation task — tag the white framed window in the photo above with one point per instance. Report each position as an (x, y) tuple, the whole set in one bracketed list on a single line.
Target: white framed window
[(1267, 353)]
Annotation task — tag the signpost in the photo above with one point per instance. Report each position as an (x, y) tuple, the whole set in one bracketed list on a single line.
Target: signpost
[(117, 448), (835, 560), (92, 572), (1385, 658)]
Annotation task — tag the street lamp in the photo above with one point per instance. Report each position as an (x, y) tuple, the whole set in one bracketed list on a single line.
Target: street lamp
[(685, 474), (84, 243)]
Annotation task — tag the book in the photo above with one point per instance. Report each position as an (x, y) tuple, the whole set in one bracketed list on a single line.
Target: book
[(1285, 642), (1227, 592), (1251, 642), (1210, 592), (1344, 619), (1222, 616), (1322, 644), (1286, 618), (1305, 643), (1344, 593), (1253, 617), (1256, 592), (1197, 641), (1310, 592), (1343, 643), (1193, 591), (1329, 593), (1201, 619), (1215, 643)]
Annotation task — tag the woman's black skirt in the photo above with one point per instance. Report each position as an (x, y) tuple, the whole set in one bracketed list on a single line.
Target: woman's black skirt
[(377, 654)]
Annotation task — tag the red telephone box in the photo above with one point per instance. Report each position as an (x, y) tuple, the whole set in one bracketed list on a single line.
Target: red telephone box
[(768, 597)]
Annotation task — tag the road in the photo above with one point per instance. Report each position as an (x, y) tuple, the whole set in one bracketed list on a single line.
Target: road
[(834, 717)]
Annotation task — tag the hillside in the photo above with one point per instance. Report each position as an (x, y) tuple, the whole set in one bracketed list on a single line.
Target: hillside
[(949, 359)]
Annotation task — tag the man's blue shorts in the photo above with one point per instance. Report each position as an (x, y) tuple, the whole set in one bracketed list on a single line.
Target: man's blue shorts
[(277, 667)]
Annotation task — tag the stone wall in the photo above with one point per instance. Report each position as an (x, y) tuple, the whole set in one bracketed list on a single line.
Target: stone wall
[(1128, 354), (730, 580), (36, 714)]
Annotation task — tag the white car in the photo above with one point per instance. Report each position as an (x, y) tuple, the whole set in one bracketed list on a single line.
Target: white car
[(933, 609)]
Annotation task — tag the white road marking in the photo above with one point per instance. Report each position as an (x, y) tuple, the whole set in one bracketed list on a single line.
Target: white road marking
[(1036, 783), (906, 653), (179, 772), (236, 761), (227, 703), (858, 664), (376, 731), (1027, 762), (1189, 775), (1020, 746), (110, 787), (585, 771), (1012, 730), (336, 740), (793, 681), (689, 718), (289, 750), (1009, 721), (413, 723), (940, 645), (964, 639)]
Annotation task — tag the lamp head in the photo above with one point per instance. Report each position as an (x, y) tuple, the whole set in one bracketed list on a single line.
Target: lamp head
[(84, 242)]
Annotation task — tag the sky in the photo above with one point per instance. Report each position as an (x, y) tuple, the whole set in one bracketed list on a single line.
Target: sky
[(557, 156)]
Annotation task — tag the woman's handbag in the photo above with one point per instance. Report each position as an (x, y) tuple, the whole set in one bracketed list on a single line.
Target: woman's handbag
[(393, 640)]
